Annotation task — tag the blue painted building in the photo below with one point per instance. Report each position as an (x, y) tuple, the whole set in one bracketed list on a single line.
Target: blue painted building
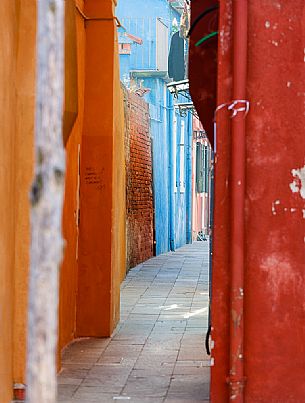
[(144, 42)]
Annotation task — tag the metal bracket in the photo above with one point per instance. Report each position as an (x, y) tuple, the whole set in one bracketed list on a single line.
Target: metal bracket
[(86, 18)]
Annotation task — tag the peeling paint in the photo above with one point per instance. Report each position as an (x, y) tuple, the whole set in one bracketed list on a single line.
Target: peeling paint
[(275, 203), (273, 209), (225, 32), (277, 208), (280, 274), (298, 184)]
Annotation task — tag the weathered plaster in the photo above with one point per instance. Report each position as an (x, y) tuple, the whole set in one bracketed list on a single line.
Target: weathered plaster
[(298, 184)]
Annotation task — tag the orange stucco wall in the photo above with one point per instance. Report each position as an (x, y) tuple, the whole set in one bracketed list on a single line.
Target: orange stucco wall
[(118, 194), (24, 155), (94, 262), (17, 84), (102, 223), (8, 46), (69, 269)]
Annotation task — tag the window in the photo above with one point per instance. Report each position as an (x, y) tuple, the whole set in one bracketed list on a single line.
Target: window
[(162, 45), (182, 158), (202, 168), (206, 168), (199, 168)]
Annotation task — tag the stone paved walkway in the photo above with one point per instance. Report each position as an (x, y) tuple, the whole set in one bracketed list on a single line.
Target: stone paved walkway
[(157, 352)]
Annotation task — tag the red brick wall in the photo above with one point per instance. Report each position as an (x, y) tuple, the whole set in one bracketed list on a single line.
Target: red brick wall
[(139, 197)]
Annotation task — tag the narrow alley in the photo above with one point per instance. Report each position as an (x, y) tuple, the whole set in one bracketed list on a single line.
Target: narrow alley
[(157, 352)]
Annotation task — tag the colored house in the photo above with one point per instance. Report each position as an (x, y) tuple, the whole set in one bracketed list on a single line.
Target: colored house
[(144, 45), (252, 78), (202, 183), (94, 207)]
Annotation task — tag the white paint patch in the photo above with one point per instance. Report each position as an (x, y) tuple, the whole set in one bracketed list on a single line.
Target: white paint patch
[(303, 213), (275, 203), (226, 34), (294, 187), (288, 84), (275, 43), (281, 274), (267, 24), (298, 184)]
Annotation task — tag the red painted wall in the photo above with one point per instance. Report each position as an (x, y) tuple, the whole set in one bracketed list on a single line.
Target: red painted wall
[(275, 279), (139, 198), (274, 339), (203, 64)]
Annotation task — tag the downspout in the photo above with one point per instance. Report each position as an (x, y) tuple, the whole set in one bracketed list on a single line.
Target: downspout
[(170, 110), (189, 178), (236, 379)]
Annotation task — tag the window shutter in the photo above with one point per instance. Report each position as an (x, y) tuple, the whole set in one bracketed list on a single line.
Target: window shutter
[(199, 168)]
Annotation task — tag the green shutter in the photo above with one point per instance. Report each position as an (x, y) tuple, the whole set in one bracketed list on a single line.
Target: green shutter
[(199, 168), (206, 169)]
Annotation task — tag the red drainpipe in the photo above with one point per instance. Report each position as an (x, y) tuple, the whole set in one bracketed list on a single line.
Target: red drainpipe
[(237, 379)]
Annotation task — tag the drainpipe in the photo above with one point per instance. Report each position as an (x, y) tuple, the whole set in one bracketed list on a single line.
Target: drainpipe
[(170, 111), (189, 150), (236, 379)]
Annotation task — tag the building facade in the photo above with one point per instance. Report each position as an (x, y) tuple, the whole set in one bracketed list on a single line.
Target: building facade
[(139, 195), (144, 45), (253, 82), (94, 207)]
